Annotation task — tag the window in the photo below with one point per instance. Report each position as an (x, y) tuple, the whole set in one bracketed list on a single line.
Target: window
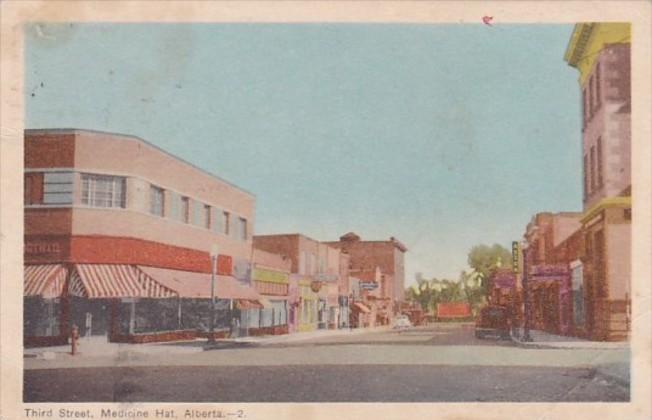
[(586, 177), (103, 191), (207, 216), (598, 100), (156, 200), (591, 97), (599, 161), (243, 228), (227, 222), (585, 112), (185, 209), (57, 187), (33, 188), (592, 162)]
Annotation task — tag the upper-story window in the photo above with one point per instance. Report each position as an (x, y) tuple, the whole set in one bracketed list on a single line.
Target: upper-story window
[(57, 187), (156, 201), (598, 99), (598, 152), (207, 216), (185, 209), (227, 222), (242, 231), (103, 191), (586, 177)]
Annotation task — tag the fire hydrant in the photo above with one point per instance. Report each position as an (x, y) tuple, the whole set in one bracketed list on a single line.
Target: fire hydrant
[(74, 335)]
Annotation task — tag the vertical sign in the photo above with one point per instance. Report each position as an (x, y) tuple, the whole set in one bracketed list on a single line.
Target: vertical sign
[(515, 256)]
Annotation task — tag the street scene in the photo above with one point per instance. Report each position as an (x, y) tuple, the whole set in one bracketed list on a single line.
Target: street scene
[(327, 213), (444, 362)]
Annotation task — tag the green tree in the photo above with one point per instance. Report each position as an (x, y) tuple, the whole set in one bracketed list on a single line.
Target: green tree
[(485, 259)]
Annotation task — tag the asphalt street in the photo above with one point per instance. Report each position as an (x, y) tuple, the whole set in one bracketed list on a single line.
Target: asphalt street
[(434, 364)]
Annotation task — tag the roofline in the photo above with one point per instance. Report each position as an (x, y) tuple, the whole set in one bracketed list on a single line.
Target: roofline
[(140, 139), (398, 244)]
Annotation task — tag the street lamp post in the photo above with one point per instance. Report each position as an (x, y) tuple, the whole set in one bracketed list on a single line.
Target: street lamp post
[(526, 295), (211, 321)]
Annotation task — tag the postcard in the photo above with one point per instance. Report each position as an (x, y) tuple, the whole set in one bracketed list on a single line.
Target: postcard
[(253, 210)]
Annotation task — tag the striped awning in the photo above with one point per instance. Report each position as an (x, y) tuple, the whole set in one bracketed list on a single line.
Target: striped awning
[(95, 281), (46, 280)]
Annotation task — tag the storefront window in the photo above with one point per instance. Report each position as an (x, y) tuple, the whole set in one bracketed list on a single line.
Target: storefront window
[(41, 317)]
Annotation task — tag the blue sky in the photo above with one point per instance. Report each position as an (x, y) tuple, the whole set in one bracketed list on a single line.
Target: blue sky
[(444, 136)]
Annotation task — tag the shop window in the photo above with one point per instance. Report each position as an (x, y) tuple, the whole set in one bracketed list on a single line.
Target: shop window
[(103, 191), (156, 197), (57, 187), (627, 214)]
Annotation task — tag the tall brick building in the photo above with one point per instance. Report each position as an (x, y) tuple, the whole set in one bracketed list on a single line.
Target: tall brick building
[(601, 53), (368, 256)]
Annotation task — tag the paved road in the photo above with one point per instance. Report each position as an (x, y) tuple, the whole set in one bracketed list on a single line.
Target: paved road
[(441, 363)]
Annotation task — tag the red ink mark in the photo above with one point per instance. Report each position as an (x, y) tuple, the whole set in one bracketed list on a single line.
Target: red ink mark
[(487, 20)]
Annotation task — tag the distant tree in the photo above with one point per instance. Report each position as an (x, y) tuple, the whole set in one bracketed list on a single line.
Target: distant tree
[(485, 259), (473, 290)]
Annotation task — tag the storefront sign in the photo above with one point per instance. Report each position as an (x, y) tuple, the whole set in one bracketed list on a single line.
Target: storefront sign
[(42, 248), (270, 276), (368, 285), (549, 270), (516, 252)]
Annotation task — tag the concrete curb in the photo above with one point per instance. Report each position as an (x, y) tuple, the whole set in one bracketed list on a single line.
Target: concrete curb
[(570, 345)]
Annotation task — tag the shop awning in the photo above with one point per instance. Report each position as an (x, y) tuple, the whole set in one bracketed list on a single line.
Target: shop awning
[(96, 281), (248, 304), (46, 280), (189, 284), (361, 307)]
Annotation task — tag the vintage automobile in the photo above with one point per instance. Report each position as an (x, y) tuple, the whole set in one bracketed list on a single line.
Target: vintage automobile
[(402, 322), (493, 321)]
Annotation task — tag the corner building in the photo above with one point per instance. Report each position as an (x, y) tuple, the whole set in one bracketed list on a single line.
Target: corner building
[(117, 239), (601, 53)]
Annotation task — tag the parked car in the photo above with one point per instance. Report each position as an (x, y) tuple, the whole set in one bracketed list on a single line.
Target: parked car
[(493, 321), (402, 322)]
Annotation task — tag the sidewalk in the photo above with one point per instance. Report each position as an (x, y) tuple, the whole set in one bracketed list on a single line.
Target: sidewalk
[(99, 347), (542, 339)]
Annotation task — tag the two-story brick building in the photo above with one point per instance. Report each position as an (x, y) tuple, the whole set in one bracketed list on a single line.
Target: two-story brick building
[(118, 234), (314, 282), (386, 256)]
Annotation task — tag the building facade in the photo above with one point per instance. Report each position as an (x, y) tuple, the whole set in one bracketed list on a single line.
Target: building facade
[(118, 236), (601, 53), (549, 255), (369, 256), (315, 279)]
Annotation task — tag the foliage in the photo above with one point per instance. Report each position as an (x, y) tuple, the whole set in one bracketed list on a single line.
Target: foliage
[(428, 293), (484, 259)]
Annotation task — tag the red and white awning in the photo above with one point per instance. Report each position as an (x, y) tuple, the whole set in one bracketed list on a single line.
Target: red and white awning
[(115, 281), (45, 280)]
